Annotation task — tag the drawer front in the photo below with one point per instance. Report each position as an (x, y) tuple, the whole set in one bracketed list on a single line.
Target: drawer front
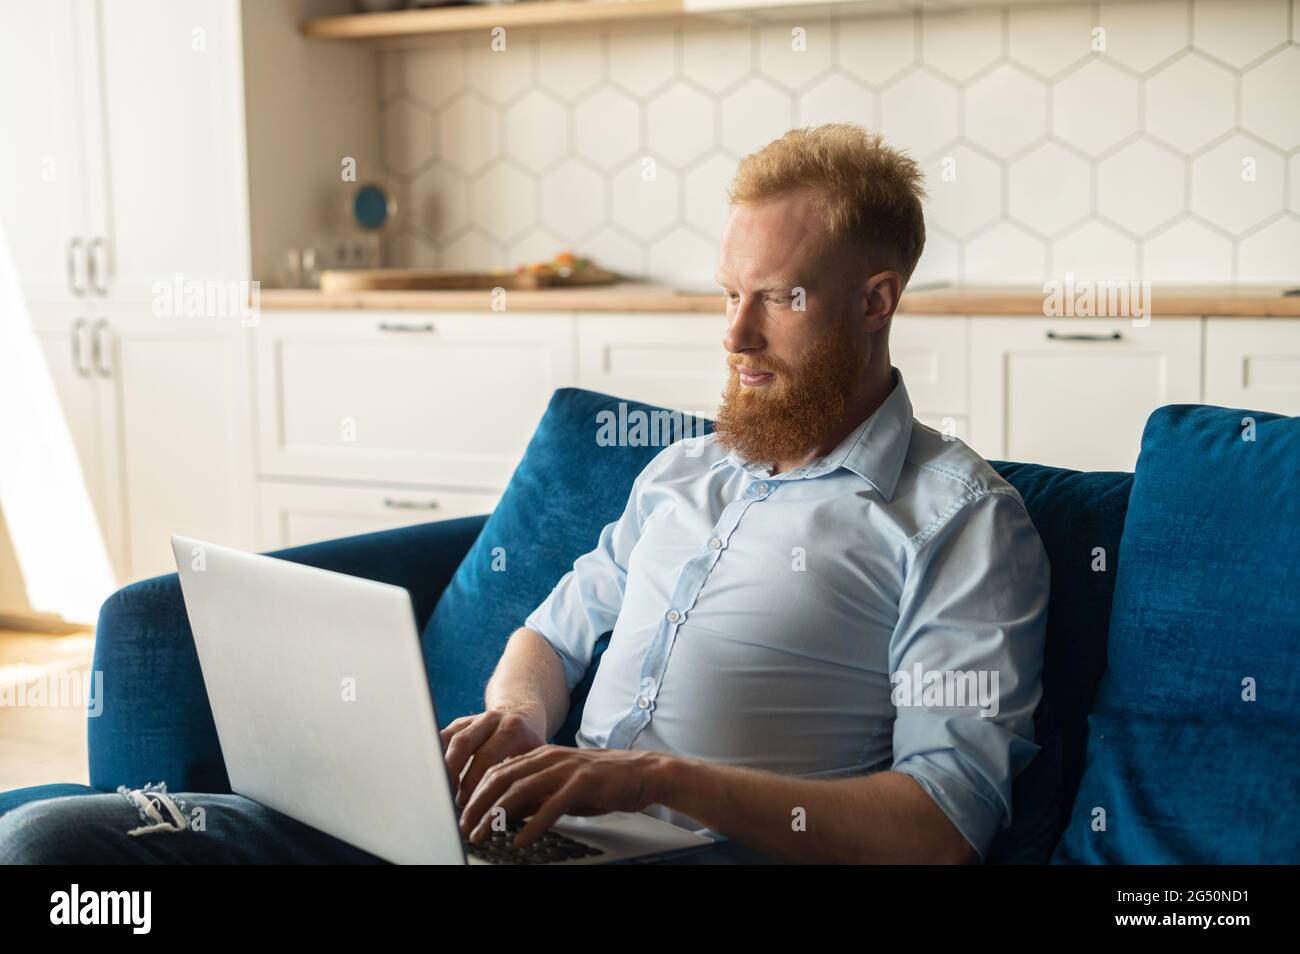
[(673, 361), (933, 355), (294, 514), (1253, 364), (434, 399), (1076, 392)]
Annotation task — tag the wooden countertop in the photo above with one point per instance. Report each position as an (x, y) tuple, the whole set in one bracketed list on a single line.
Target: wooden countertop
[(630, 297)]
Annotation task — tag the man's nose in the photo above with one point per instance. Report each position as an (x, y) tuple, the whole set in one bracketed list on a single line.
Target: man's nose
[(743, 329)]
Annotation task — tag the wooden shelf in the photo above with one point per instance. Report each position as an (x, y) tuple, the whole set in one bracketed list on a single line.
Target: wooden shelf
[(415, 23)]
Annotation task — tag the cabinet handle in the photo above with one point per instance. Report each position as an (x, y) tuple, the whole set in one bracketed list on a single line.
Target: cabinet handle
[(1084, 336), (393, 503), (78, 353), (99, 348), (92, 266), (425, 328), (74, 246)]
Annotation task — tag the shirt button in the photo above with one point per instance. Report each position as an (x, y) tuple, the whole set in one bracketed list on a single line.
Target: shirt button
[(715, 544), (672, 616), (760, 488), (642, 702)]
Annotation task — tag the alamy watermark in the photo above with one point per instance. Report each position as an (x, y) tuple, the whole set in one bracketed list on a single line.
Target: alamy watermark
[(657, 428), (182, 297), (63, 689), (947, 689), (1086, 298)]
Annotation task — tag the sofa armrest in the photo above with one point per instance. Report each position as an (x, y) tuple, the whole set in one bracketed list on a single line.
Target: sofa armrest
[(155, 723)]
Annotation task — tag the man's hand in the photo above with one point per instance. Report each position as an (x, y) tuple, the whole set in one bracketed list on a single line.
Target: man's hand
[(488, 738), (557, 780)]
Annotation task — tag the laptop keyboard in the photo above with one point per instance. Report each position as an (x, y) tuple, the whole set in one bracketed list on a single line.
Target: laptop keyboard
[(549, 849)]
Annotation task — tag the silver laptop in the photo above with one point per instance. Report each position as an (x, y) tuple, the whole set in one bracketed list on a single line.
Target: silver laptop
[(318, 689)]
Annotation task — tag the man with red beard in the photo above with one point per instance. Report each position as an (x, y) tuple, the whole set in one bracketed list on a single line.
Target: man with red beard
[(773, 593)]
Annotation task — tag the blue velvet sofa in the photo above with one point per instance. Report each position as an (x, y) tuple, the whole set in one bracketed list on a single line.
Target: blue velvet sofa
[(1171, 709)]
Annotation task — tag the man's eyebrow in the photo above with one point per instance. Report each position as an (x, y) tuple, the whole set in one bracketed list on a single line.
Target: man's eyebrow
[(775, 284)]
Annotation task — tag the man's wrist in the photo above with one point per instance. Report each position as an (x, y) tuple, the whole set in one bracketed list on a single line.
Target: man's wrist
[(532, 714), (670, 780)]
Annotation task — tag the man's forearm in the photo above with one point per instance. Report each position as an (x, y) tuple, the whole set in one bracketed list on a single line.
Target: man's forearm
[(881, 818), (529, 680)]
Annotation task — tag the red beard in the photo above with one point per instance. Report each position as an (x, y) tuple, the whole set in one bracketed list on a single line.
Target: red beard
[(792, 415)]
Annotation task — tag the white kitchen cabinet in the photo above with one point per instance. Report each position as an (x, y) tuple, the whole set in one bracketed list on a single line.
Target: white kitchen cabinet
[(298, 513), (445, 399), (670, 360), (48, 136), (73, 349), (1076, 392), (182, 388), (933, 355), (1253, 364), (177, 196)]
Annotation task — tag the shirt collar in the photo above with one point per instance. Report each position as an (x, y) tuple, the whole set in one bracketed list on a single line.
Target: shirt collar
[(875, 450)]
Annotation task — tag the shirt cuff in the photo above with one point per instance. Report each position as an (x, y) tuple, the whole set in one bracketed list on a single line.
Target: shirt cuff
[(975, 812)]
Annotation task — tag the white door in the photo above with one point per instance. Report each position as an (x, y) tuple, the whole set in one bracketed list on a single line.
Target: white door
[(1253, 364), (1076, 392), (71, 362), (437, 399), (174, 138), (182, 388), (46, 62)]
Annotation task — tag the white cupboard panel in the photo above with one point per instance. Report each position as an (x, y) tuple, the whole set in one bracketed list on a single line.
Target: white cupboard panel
[(185, 418), (443, 399), (294, 514), (933, 355), (670, 360), (1077, 392), (1253, 364)]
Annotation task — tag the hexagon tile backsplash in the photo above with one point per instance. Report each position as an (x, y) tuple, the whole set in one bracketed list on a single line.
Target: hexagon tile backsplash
[(1156, 140)]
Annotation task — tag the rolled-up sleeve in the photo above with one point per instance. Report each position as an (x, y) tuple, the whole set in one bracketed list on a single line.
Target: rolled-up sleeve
[(585, 603), (974, 601)]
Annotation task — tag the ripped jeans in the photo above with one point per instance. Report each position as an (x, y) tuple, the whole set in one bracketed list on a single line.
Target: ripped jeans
[(152, 826)]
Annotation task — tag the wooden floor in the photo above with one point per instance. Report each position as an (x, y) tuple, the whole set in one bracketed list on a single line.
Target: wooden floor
[(45, 743)]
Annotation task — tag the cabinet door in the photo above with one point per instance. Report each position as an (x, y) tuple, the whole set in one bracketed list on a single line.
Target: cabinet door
[(670, 360), (933, 355), (69, 358), (1076, 392), (294, 514), (182, 390), (444, 399), (174, 137), (1253, 364), (44, 64)]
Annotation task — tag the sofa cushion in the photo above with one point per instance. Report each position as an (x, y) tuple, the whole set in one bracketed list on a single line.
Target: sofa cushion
[(569, 484), (1180, 788), (1080, 518), (1200, 705)]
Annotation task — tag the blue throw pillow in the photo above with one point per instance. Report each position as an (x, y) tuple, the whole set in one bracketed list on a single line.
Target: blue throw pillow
[(571, 482), (1192, 748), (1080, 518)]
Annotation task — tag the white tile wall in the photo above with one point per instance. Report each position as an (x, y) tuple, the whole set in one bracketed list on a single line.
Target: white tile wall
[(1154, 140)]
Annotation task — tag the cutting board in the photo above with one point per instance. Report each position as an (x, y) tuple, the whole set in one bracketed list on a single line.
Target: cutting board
[(432, 279)]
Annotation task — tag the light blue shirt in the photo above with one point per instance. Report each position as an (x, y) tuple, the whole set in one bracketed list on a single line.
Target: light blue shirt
[(760, 620)]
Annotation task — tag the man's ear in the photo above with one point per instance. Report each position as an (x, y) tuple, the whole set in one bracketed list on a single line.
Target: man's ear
[(883, 291)]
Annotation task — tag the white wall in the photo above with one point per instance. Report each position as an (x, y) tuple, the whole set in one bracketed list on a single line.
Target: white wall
[(1120, 164)]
